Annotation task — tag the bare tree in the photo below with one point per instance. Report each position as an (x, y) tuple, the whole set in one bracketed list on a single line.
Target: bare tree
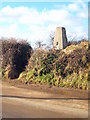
[(72, 37), (40, 44), (51, 36)]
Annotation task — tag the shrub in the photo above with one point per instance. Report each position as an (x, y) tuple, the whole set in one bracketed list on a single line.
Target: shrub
[(15, 54)]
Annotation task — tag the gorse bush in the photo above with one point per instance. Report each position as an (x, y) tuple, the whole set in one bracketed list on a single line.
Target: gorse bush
[(60, 68), (15, 55)]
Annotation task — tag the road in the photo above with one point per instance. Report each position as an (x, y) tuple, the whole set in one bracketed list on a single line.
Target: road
[(19, 102)]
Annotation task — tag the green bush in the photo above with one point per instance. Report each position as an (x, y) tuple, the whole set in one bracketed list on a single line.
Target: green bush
[(16, 55)]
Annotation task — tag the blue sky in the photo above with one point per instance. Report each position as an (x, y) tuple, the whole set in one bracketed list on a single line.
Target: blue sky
[(38, 5), (35, 20)]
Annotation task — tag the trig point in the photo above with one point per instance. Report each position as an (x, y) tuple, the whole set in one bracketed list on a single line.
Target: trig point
[(60, 39)]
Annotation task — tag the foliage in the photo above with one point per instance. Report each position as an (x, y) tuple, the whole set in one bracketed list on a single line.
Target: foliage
[(16, 55), (62, 68)]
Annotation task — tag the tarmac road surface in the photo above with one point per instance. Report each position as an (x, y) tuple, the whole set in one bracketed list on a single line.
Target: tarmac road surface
[(18, 102)]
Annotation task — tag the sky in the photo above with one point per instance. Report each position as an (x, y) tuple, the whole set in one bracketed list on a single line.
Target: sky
[(35, 21)]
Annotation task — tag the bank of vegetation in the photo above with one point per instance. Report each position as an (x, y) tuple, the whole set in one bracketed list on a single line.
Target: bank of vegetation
[(62, 68)]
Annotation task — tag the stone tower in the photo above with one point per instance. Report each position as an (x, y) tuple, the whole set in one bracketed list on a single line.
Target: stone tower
[(60, 39)]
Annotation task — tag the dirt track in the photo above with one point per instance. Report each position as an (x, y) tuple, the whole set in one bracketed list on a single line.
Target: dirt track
[(32, 102)]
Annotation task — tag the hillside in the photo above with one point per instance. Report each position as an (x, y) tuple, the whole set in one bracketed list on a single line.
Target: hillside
[(63, 68)]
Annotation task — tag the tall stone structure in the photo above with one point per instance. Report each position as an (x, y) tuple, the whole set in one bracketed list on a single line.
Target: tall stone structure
[(60, 39)]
